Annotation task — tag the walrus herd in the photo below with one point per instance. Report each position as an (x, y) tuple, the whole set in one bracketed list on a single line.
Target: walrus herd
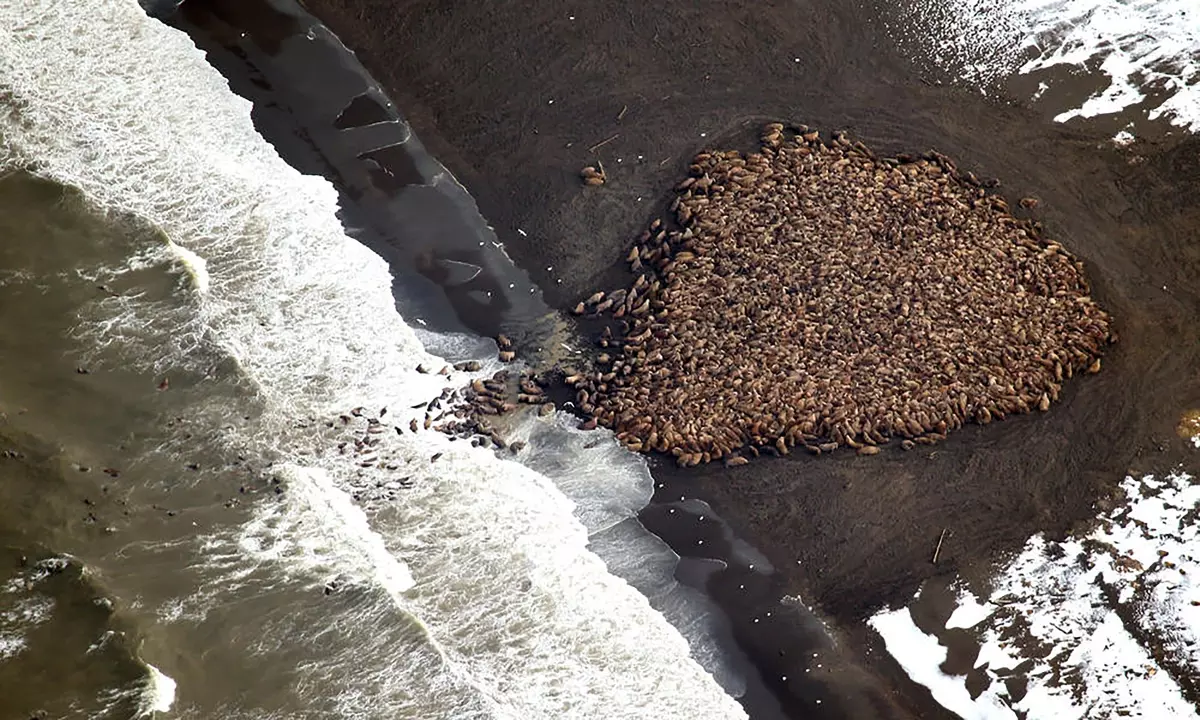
[(814, 295)]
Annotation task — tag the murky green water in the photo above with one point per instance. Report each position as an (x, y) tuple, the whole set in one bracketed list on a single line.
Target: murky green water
[(72, 423)]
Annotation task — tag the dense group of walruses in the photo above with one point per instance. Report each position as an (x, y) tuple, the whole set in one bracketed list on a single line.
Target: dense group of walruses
[(814, 295)]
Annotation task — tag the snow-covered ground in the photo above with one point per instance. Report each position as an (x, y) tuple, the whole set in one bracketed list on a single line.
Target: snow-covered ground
[(1142, 57), (1101, 626)]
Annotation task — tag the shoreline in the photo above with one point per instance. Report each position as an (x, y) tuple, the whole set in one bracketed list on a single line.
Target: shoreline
[(314, 145), (859, 529)]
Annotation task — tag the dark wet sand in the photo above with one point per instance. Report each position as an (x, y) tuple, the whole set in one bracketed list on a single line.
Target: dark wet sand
[(512, 96)]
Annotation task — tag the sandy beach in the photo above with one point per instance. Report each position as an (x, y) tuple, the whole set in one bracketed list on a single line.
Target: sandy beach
[(515, 99)]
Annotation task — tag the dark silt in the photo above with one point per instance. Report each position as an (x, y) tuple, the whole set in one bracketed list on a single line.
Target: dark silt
[(511, 97)]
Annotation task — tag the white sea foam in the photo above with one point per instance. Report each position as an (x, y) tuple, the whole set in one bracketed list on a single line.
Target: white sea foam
[(11, 644), (16, 620), (524, 621), (319, 530), (196, 266), (20, 612), (1145, 52), (158, 695), (1082, 622)]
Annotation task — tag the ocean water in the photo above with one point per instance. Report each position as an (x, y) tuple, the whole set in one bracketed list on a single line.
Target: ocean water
[(185, 322)]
